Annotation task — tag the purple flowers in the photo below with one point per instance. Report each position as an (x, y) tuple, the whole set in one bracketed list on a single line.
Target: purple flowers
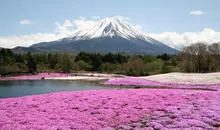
[(142, 109), (173, 80), (128, 108)]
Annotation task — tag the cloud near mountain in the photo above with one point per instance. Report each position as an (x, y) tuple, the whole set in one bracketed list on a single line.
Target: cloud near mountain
[(111, 34), (66, 29), (178, 41)]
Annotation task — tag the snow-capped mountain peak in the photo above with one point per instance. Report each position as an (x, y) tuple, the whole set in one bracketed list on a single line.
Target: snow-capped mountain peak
[(110, 26), (107, 35)]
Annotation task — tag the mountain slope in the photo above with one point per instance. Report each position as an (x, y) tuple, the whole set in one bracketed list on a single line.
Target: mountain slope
[(107, 35)]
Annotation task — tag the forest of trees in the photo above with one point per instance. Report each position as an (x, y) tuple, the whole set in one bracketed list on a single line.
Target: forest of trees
[(198, 57)]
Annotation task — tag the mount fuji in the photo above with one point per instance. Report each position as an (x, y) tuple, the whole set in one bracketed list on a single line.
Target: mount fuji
[(107, 35)]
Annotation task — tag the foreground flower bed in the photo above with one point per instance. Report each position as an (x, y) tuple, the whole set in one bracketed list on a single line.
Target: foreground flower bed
[(172, 80), (113, 109), (36, 77)]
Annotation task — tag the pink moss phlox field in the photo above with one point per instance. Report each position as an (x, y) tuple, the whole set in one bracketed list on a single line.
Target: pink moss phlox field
[(145, 109), (131, 81), (36, 77), (187, 78)]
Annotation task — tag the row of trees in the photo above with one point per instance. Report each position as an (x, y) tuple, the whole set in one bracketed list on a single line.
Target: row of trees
[(11, 63), (134, 65), (200, 58)]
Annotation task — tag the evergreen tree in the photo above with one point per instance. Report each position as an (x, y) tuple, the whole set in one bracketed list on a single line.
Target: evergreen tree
[(31, 63), (19, 58), (96, 62), (52, 60), (66, 63)]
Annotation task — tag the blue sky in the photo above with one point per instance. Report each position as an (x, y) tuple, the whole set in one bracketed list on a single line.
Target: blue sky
[(155, 16)]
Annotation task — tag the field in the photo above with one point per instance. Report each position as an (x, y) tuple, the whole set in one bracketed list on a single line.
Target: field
[(124, 109), (172, 80)]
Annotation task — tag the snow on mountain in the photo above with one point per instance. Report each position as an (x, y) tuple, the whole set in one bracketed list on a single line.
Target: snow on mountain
[(112, 26), (107, 35)]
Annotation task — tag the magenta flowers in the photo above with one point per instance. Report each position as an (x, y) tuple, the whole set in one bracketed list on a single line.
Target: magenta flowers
[(125, 109), (172, 80), (110, 109)]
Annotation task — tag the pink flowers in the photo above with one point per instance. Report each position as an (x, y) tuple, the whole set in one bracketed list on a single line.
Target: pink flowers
[(110, 109), (142, 109), (186, 78), (172, 80)]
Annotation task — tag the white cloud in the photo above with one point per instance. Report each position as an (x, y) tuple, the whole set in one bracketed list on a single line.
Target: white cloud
[(197, 12), (82, 23), (68, 27), (178, 41), (62, 30), (67, 23), (26, 22), (65, 28), (96, 17), (27, 40)]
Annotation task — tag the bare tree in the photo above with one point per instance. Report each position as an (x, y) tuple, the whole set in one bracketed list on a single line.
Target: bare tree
[(214, 48), (187, 59), (214, 51), (195, 57)]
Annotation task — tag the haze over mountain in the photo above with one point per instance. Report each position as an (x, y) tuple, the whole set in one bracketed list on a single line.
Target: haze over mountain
[(107, 35)]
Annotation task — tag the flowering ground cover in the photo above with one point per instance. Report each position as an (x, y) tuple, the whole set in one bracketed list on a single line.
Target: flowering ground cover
[(172, 80), (124, 109), (186, 78), (35, 77), (127, 109)]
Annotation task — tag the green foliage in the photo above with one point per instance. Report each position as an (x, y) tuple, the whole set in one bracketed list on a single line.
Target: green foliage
[(66, 63), (155, 66), (96, 62), (58, 67), (14, 68), (82, 65), (110, 57), (42, 67), (166, 69), (200, 58), (10, 69), (53, 60), (197, 57), (132, 65), (136, 67), (164, 57), (21, 66), (108, 67), (19, 58), (31, 63), (148, 58)]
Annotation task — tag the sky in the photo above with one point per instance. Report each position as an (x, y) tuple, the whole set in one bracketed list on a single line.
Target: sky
[(176, 23)]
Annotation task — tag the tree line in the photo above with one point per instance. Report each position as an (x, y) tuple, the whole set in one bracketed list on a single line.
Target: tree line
[(134, 65), (198, 57)]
